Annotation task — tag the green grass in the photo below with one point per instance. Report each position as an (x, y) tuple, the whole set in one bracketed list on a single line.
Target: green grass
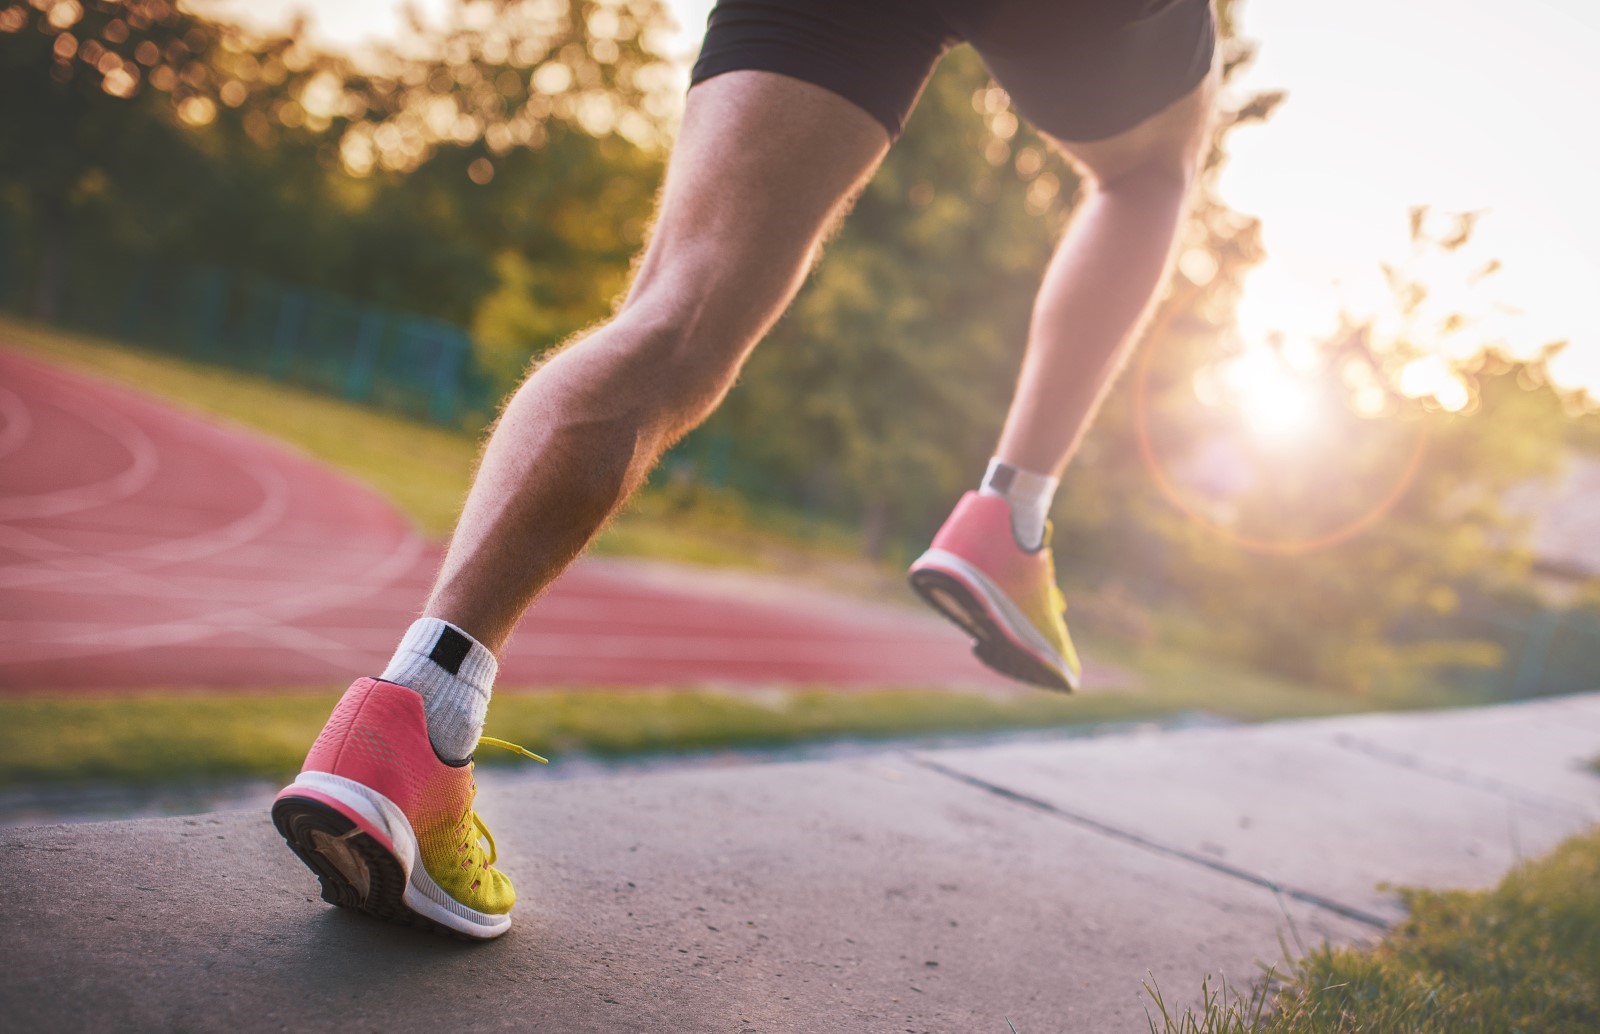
[(1523, 957), (1175, 679), (150, 738)]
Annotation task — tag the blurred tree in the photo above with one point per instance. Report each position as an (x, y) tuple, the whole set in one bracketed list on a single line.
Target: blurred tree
[(140, 127), (67, 71), (1340, 551)]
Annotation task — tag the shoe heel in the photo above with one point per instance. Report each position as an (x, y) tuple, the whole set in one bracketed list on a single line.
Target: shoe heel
[(355, 870), (956, 602), (950, 598)]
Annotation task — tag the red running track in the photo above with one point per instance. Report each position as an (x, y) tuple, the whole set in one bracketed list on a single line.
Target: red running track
[(145, 547)]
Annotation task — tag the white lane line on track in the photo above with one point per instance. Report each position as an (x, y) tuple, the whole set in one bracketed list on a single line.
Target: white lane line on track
[(342, 660), (270, 511), (47, 630), (50, 568), (662, 609), (18, 422), (186, 588), (336, 583), (688, 644), (110, 637), (247, 559), (141, 470), (271, 612), (689, 647)]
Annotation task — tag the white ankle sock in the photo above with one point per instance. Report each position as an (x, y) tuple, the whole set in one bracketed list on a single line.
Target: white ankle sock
[(1030, 496), (454, 674)]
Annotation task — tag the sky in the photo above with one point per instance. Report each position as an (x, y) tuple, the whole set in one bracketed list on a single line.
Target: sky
[(1455, 104)]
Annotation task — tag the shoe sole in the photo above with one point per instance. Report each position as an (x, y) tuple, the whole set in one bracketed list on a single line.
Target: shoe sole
[(359, 863), (963, 603)]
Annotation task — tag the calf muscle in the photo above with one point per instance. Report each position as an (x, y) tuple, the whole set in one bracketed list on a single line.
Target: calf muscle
[(743, 212)]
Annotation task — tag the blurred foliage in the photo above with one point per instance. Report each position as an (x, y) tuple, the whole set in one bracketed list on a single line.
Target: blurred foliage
[(497, 172), (517, 144), (1343, 553)]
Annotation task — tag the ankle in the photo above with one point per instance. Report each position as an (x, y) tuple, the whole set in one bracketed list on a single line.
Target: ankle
[(1029, 495), (454, 675)]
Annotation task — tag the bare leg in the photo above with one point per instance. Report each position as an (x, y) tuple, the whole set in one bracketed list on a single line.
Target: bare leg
[(762, 167), (1098, 288)]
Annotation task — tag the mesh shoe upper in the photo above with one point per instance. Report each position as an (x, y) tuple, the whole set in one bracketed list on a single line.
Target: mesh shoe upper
[(377, 736), (979, 532)]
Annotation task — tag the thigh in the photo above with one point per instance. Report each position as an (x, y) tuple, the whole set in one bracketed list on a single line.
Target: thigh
[(1093, 70), (763, 166), (878, 54), (1169, 144)]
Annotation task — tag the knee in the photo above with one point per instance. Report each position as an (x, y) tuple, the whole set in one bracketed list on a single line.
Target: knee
[(1167, 170), (683, 355), (1165, 154)]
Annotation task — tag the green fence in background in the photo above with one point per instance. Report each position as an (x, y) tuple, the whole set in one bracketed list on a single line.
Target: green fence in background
[(366, 353)]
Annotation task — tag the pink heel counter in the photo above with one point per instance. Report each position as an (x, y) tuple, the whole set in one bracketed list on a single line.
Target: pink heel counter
[(381, 742), (974, 519), (324, 754), (979, 531)]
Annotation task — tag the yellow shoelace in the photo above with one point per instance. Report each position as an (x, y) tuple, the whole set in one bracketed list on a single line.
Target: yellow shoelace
[(512, 747), (482, 830), (478, 825), (1057, 600)]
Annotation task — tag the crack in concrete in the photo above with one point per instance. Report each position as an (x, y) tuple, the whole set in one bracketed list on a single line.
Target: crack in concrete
[(1457, 776), (1216, 865)]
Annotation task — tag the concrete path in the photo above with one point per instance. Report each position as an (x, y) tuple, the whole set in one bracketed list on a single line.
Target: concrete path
[(946, 891)]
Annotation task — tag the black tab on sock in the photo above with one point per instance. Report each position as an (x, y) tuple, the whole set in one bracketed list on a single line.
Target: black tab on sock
[(451, 649), (1001, 477)]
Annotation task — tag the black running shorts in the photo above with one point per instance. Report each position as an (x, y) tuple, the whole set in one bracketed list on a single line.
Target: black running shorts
[(1076, 69)]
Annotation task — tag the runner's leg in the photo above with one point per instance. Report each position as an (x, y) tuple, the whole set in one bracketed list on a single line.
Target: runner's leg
[(763, 165), (990, 568), (383, 810), (1098, 288)]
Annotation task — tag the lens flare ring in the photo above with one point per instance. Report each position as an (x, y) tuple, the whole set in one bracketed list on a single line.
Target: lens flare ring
[(1255, 543)]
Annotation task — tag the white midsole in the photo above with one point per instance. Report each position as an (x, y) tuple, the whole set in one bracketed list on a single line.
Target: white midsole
[(1000, 605), (422, 895)]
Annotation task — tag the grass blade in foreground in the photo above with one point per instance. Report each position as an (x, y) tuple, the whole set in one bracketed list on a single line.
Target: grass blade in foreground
[(1523, 957)]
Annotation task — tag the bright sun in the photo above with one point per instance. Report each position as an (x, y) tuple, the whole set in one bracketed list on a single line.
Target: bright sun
[(1280, 404)]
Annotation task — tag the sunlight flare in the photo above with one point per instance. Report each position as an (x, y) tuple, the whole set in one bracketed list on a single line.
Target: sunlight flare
[(1432, 377), (1273, 391)]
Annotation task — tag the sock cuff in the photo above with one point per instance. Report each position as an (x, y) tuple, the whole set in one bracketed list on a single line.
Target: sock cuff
[(1029, 496), (1004, 479), (452, 649)]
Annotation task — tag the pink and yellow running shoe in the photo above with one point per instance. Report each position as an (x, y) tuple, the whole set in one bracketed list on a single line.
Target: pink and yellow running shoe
[(387, 826), (1004, 596)]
